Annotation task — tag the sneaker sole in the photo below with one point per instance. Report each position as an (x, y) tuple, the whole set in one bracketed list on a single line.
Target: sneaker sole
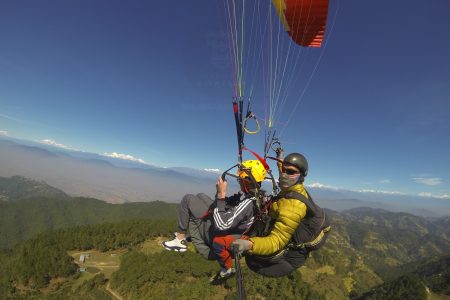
[(220, 281), (176, 249)]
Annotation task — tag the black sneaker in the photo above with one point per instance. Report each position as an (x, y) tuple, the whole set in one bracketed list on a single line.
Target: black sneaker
[(221, 276)]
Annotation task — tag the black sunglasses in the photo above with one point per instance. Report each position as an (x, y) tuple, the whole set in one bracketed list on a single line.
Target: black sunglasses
[(290, 171)]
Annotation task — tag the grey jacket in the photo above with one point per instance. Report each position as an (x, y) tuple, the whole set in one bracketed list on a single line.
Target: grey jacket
[(232, 215)]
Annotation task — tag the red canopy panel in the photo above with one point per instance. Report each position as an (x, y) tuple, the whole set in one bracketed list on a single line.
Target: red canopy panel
[(304, 20)]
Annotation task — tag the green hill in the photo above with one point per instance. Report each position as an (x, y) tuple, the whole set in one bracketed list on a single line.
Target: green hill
[(43, 267), (386, 239), (30, 267), (35, 207), (434, 272), (23, 219), (18, 188), (405, 287), (370, 254)]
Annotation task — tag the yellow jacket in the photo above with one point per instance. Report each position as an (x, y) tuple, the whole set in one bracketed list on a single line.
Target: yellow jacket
[(288, 214)]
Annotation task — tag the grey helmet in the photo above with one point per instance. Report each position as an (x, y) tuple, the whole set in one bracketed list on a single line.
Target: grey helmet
[(299, 161)]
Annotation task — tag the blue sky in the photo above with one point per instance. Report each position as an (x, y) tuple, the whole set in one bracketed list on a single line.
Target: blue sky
[(152, 80)]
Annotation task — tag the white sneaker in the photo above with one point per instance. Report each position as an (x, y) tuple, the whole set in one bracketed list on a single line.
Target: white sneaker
[(175, 244)]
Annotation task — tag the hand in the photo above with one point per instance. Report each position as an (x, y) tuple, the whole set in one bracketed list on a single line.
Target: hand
[(241, 246), (280, 153), (221, 187), (280, 156)]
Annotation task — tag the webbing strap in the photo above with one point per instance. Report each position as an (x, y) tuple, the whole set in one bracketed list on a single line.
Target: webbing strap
[(314, 242), (238, 129)]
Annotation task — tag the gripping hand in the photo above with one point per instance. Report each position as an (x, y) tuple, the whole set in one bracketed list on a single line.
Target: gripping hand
[(241, 246)]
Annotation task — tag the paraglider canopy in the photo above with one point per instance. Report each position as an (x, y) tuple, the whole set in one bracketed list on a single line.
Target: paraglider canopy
[(304, 20), (276, 47)]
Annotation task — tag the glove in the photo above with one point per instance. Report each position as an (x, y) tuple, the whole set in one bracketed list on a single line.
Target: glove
[(241, 246)]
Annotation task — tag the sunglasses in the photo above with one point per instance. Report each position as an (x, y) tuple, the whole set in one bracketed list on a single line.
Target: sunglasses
[(290, 171)]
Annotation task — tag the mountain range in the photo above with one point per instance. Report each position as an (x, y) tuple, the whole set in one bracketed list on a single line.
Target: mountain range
[(117, 180)]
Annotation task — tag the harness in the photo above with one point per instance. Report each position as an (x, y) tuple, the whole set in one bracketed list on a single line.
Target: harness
[(310, 234), (313, 228), (312, 244)]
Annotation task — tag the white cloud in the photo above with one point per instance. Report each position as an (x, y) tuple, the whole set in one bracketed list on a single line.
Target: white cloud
[(425, 194), (428, 180), (324, 186), (375, 191), (124, 157), (3, 132), (318, 185), (380, 192), (212, 170), (54, 144), (386, 181)]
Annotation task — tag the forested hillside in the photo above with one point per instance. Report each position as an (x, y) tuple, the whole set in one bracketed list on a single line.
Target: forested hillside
[(18, 187), (405, 287), (434, 271), (31, 265), (23, 219), (370, 254), (386, 239), (36, 207)]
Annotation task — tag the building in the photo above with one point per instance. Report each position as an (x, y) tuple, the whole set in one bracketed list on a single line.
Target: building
[(83, 257)]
